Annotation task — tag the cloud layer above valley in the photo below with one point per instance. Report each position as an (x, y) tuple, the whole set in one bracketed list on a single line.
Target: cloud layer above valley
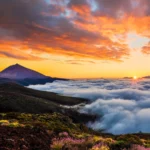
[(124, 103)]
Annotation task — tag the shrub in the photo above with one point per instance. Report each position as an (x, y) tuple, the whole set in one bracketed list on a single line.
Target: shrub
[(100, 146)]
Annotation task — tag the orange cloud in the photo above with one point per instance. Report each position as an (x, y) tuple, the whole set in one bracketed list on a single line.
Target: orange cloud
[(76, 28), (146, 49)]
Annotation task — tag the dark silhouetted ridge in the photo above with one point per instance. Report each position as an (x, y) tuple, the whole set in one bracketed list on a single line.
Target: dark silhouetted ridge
[(19, 72), (24, 76)]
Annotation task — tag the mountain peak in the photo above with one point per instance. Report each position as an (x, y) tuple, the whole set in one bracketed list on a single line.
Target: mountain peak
[(17, 71), (15, 65)]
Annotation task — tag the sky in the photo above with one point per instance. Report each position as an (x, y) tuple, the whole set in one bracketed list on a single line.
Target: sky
[(77, 38)]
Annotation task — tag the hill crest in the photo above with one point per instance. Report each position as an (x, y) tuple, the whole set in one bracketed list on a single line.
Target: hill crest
[(20, 72)]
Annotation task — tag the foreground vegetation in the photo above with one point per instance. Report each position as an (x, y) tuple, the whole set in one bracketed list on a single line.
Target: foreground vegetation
[(58, 132)]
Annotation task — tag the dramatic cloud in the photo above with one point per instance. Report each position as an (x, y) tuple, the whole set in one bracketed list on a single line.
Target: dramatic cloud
[(146, 49), (115, 8), (78, 28), (122, 103), (121, 8)]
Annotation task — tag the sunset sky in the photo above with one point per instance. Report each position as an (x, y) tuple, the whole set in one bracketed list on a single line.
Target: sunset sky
[(77, 38)]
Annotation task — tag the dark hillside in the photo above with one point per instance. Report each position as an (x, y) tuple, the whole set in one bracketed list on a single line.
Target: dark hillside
[(16, 98), (19, 91)]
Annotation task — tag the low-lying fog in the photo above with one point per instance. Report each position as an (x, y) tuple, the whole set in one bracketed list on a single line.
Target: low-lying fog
[(124, 103)]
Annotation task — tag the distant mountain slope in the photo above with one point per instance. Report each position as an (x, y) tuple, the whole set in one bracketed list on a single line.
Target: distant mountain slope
[(49, 96), (19, 72), (16, 98), (24, 76), (146, 77)]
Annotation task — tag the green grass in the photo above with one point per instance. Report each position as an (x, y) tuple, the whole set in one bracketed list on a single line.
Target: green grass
[(55, 121), (55, 124)]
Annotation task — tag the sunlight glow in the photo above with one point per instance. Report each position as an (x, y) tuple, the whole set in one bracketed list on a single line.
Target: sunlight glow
[(135, 77), (136, 41)]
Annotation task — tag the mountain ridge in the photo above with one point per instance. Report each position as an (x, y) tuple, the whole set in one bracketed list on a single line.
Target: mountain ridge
[(24, 76), (20, 72)]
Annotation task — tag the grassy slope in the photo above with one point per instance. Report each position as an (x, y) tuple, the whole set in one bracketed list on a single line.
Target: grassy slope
[(18, 89), (16, 98)]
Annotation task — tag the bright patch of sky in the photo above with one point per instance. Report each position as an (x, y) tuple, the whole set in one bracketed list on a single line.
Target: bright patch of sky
[(93, 5), (136, 41)]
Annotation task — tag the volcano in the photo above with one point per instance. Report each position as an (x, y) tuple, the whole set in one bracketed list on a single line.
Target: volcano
[(24, 76), (19, 72)]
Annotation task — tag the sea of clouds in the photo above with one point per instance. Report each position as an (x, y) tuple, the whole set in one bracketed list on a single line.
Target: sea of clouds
[(124, 104)]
